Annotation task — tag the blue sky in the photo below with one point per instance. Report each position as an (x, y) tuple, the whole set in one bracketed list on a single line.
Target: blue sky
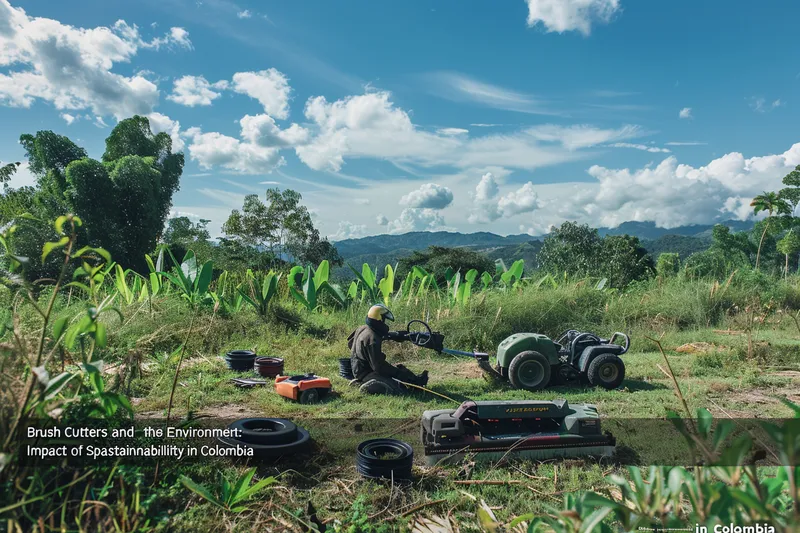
[(489, 116)]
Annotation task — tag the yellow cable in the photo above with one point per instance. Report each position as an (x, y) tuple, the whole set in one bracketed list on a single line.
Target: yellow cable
[(427, 390)]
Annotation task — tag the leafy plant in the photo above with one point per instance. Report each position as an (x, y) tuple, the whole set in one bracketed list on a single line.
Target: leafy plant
[(229, 495), (192, 281), (261, 288), (366, 280), (386, 284)]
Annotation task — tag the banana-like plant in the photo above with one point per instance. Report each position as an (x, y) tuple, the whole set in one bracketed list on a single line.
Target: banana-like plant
[(512, 276), (258, 291), (191, 280), (302, 286), (386, 284), (366, 280)]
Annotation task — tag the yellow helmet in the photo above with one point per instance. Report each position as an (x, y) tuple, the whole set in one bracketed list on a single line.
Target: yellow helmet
[(380, 312)]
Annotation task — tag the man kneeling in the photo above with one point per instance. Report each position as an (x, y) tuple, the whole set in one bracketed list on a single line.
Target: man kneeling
[(372, 372)]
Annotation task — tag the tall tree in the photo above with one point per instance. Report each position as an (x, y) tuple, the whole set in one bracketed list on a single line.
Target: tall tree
[(282, 225), (789, 245), (792, 190), (771, 203), (572, 248)]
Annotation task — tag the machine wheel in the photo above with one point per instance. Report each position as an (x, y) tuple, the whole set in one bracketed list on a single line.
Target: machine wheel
[(310, 396), (606, 370), (529, 371)]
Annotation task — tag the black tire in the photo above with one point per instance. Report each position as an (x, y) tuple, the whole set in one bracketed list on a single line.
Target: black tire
[(606, 370), (529, 371), (246, 354), (311, 396), (371, 460), (270, 431), (266, 451), (240, 364)]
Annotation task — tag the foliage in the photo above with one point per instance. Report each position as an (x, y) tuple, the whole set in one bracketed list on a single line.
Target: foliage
[(771, 203), (229, 495), (437, 259), (668, 264), (789, 245), (191, 279), (6, 171), (283, 226), (791, 193), (261, 288), (624, 260)]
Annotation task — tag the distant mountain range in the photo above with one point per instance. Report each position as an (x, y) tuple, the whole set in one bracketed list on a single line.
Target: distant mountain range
[(383, 249)]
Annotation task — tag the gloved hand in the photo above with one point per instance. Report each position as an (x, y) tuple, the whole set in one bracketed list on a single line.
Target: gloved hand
[(397, 336)]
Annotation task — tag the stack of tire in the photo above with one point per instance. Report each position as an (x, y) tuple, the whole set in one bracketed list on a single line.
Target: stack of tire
[(240, 360), (385, 458), (269, 438)]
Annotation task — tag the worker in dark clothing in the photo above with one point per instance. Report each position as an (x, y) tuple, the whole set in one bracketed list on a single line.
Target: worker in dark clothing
[(368, 361)]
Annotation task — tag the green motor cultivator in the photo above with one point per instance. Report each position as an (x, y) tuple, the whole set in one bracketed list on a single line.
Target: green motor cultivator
[(532, 361), (490, 430)]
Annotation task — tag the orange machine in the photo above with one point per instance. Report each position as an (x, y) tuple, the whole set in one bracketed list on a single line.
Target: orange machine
[(306, 388)]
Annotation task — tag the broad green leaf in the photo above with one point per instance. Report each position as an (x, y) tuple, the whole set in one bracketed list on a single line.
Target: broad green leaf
[(100, 334), (386, 285), (704, 420), (321, 274), (471, 275), (204, 279), (368, 276), (50, 246), (201, 491), (58, 327), (57, 384)]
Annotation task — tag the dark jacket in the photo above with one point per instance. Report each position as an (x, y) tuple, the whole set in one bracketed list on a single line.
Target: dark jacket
[(366, 355)]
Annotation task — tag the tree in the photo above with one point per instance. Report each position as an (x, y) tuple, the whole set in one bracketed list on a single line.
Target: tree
[(789, 245), (182, 229), (771, 203), (668, 265), (573, 249), (791, 193), (437, 259), (624, 260), (6, 171), (282, 225), (123, 200), (735, 248)]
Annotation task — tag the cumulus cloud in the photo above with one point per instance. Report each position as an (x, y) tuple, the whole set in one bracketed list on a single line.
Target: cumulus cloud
[(570, 15), (160, 122), (428, 196), (246, 14), (69, 119), (263, 131), (489, 205), (412, 219), (270, 87), (70, 67), (195, 90), (381, 220), (348, 230), (686, 112), (673, 194), (214, 149), (370, 125)]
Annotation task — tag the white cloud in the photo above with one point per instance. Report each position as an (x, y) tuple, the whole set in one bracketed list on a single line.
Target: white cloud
[(673, 194), (195, 90), (71, 67), (217, 150), (452, 131), (362, 201), (428, 196), (244, 14), (369, 125), (270, 87), (160, 122), (348, 230), (461, 88), (761, 105), (689, 143), (381, 220), (570, 15), (412, 219), (643, 147), (489, 205), (262, 130), (69, 119), (686, 112)]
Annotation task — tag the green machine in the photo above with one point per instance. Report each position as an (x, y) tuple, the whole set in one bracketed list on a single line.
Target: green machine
[(532, 361)]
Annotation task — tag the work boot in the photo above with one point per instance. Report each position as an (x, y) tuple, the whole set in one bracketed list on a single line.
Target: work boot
[(422, 380), (377, 386)]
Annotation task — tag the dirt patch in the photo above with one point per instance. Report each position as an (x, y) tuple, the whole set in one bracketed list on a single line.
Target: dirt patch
[(468, 371), (226, 411), (699, 347)]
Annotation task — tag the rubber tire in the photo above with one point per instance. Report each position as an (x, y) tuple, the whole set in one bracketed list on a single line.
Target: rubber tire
[(520, 361), (593, 373), (265, 451), (244, 354), (397, 468), (285, 433), (311, 396)]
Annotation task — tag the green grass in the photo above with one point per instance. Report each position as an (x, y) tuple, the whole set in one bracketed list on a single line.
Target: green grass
[(725, 380)]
